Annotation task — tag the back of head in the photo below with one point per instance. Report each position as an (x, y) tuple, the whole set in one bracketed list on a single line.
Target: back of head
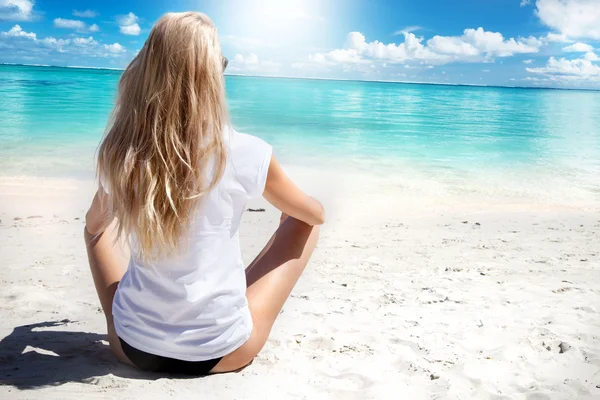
[(164, 148)]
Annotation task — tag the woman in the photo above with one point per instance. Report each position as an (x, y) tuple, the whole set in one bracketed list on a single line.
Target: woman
[(174, 181)]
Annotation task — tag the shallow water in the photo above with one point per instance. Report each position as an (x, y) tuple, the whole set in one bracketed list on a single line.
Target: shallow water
[(545, 141)]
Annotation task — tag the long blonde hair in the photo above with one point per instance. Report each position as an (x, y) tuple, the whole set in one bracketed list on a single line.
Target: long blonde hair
[(164, 148)]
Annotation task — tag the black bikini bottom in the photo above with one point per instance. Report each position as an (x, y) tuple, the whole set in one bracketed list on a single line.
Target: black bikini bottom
[(150, 362)]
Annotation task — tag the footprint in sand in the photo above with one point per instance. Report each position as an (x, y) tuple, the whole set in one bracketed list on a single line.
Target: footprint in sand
[(564, 289), (537, 396), (430, 296), (319, 343), (354, 381)]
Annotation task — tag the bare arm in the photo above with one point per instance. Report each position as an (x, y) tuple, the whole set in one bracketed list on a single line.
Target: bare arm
[(282, 193), (95, 219)]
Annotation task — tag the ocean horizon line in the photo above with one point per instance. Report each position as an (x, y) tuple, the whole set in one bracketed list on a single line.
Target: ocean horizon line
[(330, 79)]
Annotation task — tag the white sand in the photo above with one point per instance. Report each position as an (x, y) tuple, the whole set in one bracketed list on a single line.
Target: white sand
[(409, 296)]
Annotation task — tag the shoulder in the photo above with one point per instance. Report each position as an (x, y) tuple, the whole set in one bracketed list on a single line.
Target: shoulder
[(239, 141), (250, 157), (247, 149)]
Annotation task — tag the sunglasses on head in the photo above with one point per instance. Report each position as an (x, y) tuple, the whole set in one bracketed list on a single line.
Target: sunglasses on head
[(225, 61)]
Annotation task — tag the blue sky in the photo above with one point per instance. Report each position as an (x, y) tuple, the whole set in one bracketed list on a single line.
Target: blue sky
[(494, 42)]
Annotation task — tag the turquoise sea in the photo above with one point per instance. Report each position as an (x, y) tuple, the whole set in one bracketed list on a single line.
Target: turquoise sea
[(53, 118)]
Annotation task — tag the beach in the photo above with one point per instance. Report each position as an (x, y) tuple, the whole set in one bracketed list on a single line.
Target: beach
[(449, 267), (407, 303)]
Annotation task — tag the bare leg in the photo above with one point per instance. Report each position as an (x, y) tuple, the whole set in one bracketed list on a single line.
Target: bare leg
[(270, 279), (108, 267)]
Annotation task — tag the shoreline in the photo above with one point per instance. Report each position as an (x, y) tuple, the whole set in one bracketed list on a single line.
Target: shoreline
[(364, 194), (335, 79)]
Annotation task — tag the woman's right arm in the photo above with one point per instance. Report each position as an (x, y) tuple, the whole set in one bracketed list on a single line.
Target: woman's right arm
[(282, 193)]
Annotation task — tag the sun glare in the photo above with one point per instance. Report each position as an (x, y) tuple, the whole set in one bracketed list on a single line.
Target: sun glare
[(278, 21)]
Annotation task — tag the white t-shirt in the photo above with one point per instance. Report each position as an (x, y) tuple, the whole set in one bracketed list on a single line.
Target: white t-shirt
[(192, 306)]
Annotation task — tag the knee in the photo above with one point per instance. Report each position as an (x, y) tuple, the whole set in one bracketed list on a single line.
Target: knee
[(312, 235), (316, 232)]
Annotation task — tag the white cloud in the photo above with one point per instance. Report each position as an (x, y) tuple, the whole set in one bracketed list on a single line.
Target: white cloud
[(16, 31), (564, 80), (525, 3), (494, 44), (128, 19), (76, 25), (114, 48), (452, 45), (128, 24), (573, 18), (361, 51), (248, 60), (54, 43), (527, 61), (472, 45), (85, 42), (339, 56), (16, 10), (412, 28), (557, 37), (569, 70), (17, 40), (578, 48), (535, 80), (69, 24), (85, 14), (591, 56), (251, 64), (130, 29)]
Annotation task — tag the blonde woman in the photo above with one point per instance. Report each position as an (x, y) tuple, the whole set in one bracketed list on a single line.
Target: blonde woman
[(174, 182)]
